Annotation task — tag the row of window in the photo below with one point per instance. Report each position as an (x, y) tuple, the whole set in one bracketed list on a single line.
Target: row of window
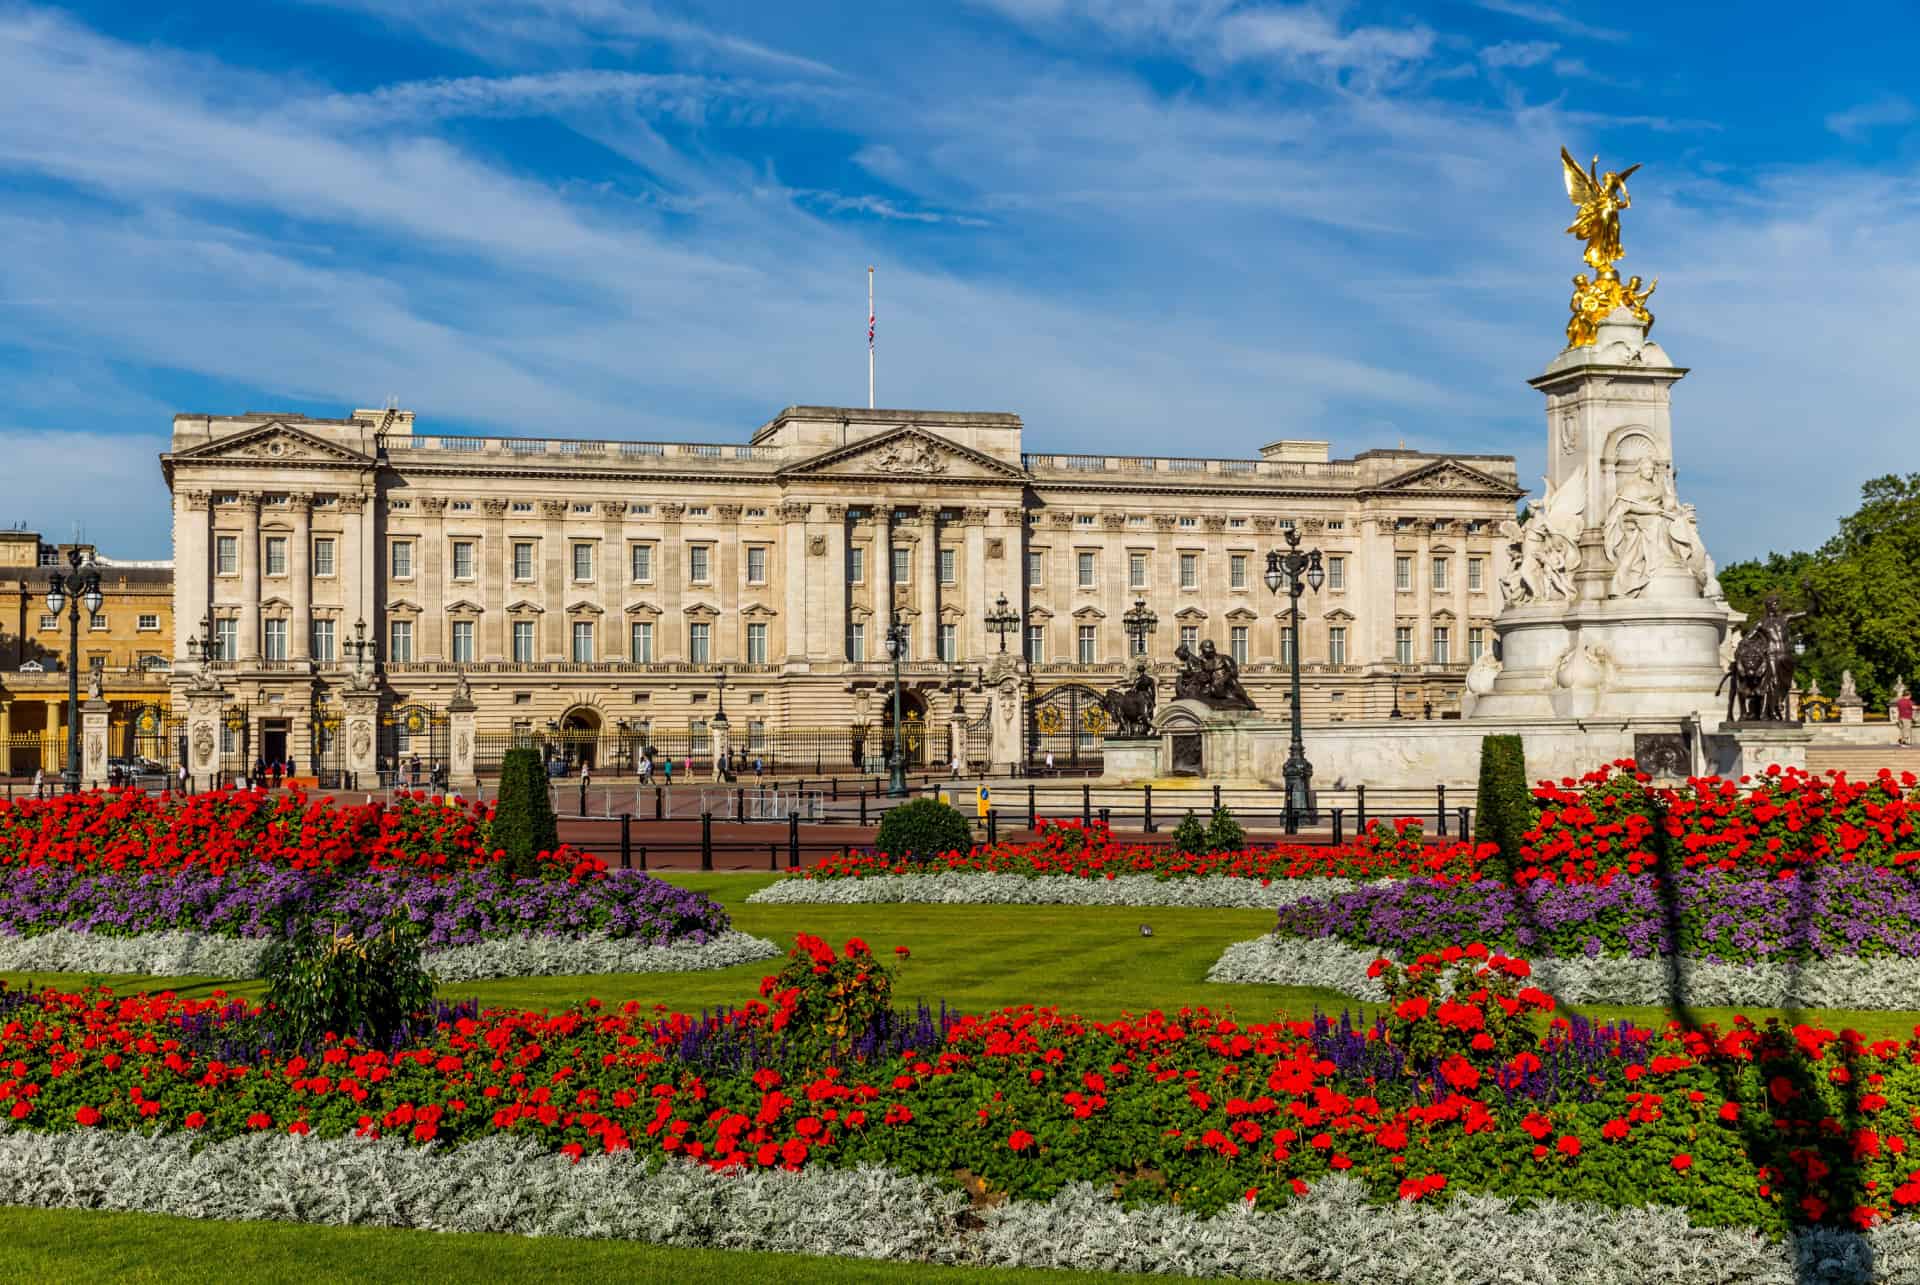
[(1087, 649), (1403, 574), (1239, 570), (146, 622)]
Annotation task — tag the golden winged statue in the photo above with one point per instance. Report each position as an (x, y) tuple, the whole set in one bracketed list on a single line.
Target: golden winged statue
[(1600, 198)]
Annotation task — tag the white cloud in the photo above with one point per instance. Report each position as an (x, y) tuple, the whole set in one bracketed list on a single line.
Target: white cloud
[(1518, 53), (1549, 13), (1856, 122), (107, 483)]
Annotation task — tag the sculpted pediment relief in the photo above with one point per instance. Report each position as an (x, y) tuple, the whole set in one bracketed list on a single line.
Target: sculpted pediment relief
[(1445, 477), (907, 452), (274, 442)]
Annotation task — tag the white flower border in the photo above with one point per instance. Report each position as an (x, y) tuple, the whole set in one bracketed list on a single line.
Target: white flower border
[(506, 1185), (948, 888), (1869, 983), (182, 954)]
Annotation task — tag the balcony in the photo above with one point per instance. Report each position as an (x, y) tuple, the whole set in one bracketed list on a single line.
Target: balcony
[(559, 452), (1332, 473)]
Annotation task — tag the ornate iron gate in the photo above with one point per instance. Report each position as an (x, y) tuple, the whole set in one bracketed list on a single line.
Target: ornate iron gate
[(154, 736), (236, 741), (324, 748), (412, 734), (1068, 722)]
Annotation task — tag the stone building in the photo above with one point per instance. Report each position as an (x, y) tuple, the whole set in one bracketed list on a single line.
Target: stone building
[(130, 640), (596, 590)]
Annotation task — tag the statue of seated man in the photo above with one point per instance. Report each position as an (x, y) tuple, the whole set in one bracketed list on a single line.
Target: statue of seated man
[(1223, 677)]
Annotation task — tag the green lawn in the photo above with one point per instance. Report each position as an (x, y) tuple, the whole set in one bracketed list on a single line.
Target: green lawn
[(1091, 960), (50, 1245)]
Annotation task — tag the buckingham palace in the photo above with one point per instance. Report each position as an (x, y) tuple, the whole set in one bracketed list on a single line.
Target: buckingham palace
[(612, 594)]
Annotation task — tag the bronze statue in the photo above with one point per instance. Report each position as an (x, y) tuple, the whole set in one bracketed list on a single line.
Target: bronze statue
[(1131, 707), (1210, 676), (1761, 676)]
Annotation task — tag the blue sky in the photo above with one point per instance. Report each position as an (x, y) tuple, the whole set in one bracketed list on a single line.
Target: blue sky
[(1180, 226)]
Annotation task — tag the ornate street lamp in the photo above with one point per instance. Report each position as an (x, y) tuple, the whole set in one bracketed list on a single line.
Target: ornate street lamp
[(1139, 621), (360, 647), (896, 759), (80, 587), (1003, 619), (1396, 696), (1296, 570)]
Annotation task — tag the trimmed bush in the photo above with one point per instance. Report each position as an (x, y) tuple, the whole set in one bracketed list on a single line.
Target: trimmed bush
[(923, 830), (523, 822), (362, 986), (1503, 810), (1224, 833), (1190, 836)]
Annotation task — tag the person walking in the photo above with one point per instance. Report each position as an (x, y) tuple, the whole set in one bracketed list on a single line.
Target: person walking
[(273, 776), (181, 771), (1903, 713), (413, 770), (39, 783), (666, 766), (646, 769), (1049, 762)]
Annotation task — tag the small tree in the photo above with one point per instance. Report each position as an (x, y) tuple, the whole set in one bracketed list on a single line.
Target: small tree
[(363, 986), (923, 830), (523, 822), (1190, 836), (1503, 811), (1224, 833)]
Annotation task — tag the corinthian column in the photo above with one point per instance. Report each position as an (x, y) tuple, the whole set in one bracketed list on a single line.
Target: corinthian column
[(250, 577), (300, 564)]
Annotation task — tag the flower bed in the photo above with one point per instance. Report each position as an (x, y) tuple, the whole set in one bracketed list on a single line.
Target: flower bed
[(116, 883), (948, 887), (1453, 1092)]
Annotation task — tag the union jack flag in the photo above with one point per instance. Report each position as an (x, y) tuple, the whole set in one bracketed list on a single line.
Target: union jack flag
[(869, 330)]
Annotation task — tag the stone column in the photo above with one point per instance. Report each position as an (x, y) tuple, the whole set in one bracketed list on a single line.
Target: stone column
[(556, 580), (927, 593), (362, 743), (974, 574), (829, 608), (881, 551), (957, 737), (462, 723), (730, 634), (192, 567), (300, 567), (671, 644), (1006, 717), (496, 568), (720, 732), (250, 577), (616, 568), (94, 717), (431, 571), (795, 569)]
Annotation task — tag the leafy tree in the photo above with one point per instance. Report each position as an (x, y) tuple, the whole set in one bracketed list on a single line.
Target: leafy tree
[(1865, 592), (1224, 834), (524, 825)]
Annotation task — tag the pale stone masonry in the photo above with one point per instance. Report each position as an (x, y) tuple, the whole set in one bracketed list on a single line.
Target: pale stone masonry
[(591, 581)]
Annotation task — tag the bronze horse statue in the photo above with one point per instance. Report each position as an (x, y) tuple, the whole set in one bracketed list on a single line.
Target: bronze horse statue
[(1757, 682), (1131, 707)]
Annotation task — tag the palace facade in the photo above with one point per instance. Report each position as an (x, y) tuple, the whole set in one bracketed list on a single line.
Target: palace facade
[(599, 589)]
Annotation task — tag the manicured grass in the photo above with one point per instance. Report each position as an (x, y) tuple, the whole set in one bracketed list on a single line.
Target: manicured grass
[(50, 1245)]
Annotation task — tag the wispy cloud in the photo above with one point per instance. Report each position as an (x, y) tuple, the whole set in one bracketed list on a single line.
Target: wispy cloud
[(691, 100), (1858, 121), (1518, 53), (1546, 13)]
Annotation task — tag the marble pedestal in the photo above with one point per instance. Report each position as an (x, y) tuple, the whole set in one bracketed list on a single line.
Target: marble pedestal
[(1749, 749)]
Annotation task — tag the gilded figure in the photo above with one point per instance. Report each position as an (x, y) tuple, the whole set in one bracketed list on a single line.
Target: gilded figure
[(1600, 197)]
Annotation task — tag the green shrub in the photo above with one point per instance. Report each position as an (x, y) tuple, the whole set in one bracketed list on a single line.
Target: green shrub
[(823, 1000), (1224, 833), (523, 822), (1190, 836), (1504, 809), (922, 830), (361, 986)]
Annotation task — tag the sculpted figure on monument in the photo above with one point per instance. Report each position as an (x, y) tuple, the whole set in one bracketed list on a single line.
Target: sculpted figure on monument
[(1543, 552), (1760, 678), (1647, 530), (1210, 676)]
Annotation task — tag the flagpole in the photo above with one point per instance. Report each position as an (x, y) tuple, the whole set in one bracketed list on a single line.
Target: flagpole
[(869, 336)]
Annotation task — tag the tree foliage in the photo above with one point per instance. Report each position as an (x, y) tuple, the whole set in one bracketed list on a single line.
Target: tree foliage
[(524, 825), (1865, 592)]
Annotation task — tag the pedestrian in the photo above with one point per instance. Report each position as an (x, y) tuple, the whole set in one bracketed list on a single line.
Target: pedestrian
[(956, 767), (273, 775), (646, 768), (259, 778), (586, 774), (413, 770), (759, 767), (689, 767), (1049, 762), (290, 762), (1903, 712), (182, 771), (666, 766), (39, 783)]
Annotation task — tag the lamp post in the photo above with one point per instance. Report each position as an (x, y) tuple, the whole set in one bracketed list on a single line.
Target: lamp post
[(72, 590), (896, 759), (1139, 621), (1002, 620), (721, 765), (1296, 570)]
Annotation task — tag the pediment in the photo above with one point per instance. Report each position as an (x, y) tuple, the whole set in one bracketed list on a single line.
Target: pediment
[(464, 606), (275, 602), (1039, 613), (702, 611), (1089, 613), (404, 604), (907, 452), (645, 609), (274, 442), (1338, 613), (1243, 614), (584, 608), (757, 611), (1446, 477), (524, 604), (1189, 613)]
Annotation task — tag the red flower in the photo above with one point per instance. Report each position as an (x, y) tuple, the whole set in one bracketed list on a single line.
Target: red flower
[(1682, 1162), (1568, 1145), (87, 1117), (1019, 1140)]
